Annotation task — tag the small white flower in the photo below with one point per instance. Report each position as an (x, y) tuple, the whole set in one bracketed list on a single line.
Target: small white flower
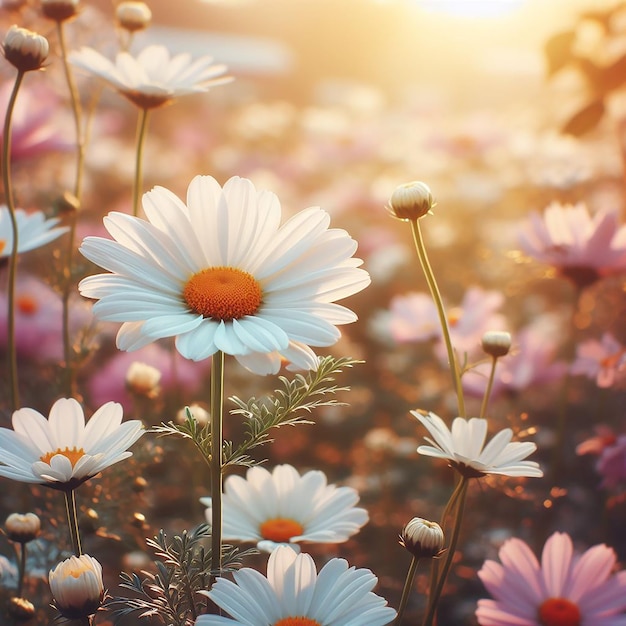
[(62, 452), (294, 594), (77, 586), (33, 231), (153, 78), (464, 446), (286, 507)]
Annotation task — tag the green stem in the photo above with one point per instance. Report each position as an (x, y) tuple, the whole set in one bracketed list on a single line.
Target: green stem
[(406, 592), (492, 375), (8, 192), (21, 569), (72, 520), (433, 601), (217, 407), (142, 126), (443, 320)]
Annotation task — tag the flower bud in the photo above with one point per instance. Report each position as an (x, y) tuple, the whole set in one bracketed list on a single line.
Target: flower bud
[(423, 539), (496, 343), (22, 528), (25, 49), (133, 16), (198, 412), (411, 201), (59, 10), (20, 609), (77, 586), (143, 380)]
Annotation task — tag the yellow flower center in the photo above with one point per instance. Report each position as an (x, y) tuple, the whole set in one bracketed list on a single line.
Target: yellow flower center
[(454, 316), (26, 304), (281, 530), (3, 245), (559, 612), (223, 293), (73, 455), (297, 621)]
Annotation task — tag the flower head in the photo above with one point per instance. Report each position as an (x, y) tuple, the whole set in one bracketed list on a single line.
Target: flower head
[(153, 78), (77, 586), (33, 231), (59, 10), (133, 16), (604, 361), (286, 507), (22, 527), (221, 273), (62, 452), (564, 590), (496, 343), (464, 446), (295, 594), (411, 201), (582, 247), (25, 49), (422, 538)]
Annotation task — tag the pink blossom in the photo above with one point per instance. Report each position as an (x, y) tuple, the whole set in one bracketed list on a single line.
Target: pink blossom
[(604, 361), (564, 589), (612, 463)]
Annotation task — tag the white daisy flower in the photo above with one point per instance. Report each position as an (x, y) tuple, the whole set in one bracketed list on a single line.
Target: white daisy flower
[(153, 78), (33, 231), (61, 451), (464, 446), (294, 594), (221, 273), (286, 507)]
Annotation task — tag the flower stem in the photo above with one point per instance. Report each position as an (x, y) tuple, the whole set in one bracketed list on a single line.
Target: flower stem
[(436, 295), (142, 127), (217, 407), (433, 601), (8, 192), (406, 591), (21, 569), (492, 375), (72, 520)]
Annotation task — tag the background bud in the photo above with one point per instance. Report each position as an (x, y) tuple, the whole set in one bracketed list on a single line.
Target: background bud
[(22, 528), (496, 343), (133, 16), (59, 10), (25, 49)]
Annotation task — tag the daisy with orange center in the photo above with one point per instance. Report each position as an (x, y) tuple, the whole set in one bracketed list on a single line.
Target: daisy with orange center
[(62, 451), (295, 594), (33, 231), (286, 507), (220, 273)]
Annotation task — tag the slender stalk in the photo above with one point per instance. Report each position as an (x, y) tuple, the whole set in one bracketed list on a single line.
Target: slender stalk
[(21, 569), (217, 407), (433, 601), (72, 520), (8, 192), (406, 591), (142, 127), (492, 375), (436, 295)]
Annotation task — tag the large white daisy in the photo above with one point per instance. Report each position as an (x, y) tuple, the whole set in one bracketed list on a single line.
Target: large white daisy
[(153, 78), (464, 446), (294, 594), (286, 507), (61, 451), (221, 273), (33, 231)]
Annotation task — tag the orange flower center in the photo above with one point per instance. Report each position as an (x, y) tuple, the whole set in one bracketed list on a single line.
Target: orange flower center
[(613, 359), (297, 621), (281, 530), (3, 245), (26, 304), (454, 316), (73, 455), (559, 612), (223, 293)]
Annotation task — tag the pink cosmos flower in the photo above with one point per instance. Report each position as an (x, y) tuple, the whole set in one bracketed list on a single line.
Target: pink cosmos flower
[(611, 449), (604, 361), (564, 590), (582, 247)]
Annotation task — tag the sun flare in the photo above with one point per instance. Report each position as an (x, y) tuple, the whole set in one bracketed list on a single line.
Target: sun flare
[(471, 8)]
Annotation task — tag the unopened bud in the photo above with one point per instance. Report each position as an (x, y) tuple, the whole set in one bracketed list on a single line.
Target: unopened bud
[(198, 412), (496, 343), (411, 201), (133, 16), (59, 10), (22, 528), (423, 539), (143, 380), (25, 49)]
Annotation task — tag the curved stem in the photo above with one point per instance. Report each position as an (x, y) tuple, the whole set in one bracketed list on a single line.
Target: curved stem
[(406, 591), (72, 520), (492, 375), (436, 295), (217, 407), (142, 126), (8, 192), (21, 569)]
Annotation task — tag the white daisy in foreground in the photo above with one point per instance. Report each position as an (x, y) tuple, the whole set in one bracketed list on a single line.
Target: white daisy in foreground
[(33, 231), (222, 273), (294, 594), (286, 507), (464, 446), (61, 451), (153, 78)]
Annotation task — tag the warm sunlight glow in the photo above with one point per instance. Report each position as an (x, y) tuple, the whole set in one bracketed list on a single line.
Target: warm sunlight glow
[(471, 8)]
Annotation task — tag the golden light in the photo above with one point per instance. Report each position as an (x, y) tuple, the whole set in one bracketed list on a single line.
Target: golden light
[(471, 8)]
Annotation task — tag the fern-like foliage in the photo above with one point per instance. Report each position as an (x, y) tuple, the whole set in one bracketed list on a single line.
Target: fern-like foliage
[(290, 405)]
